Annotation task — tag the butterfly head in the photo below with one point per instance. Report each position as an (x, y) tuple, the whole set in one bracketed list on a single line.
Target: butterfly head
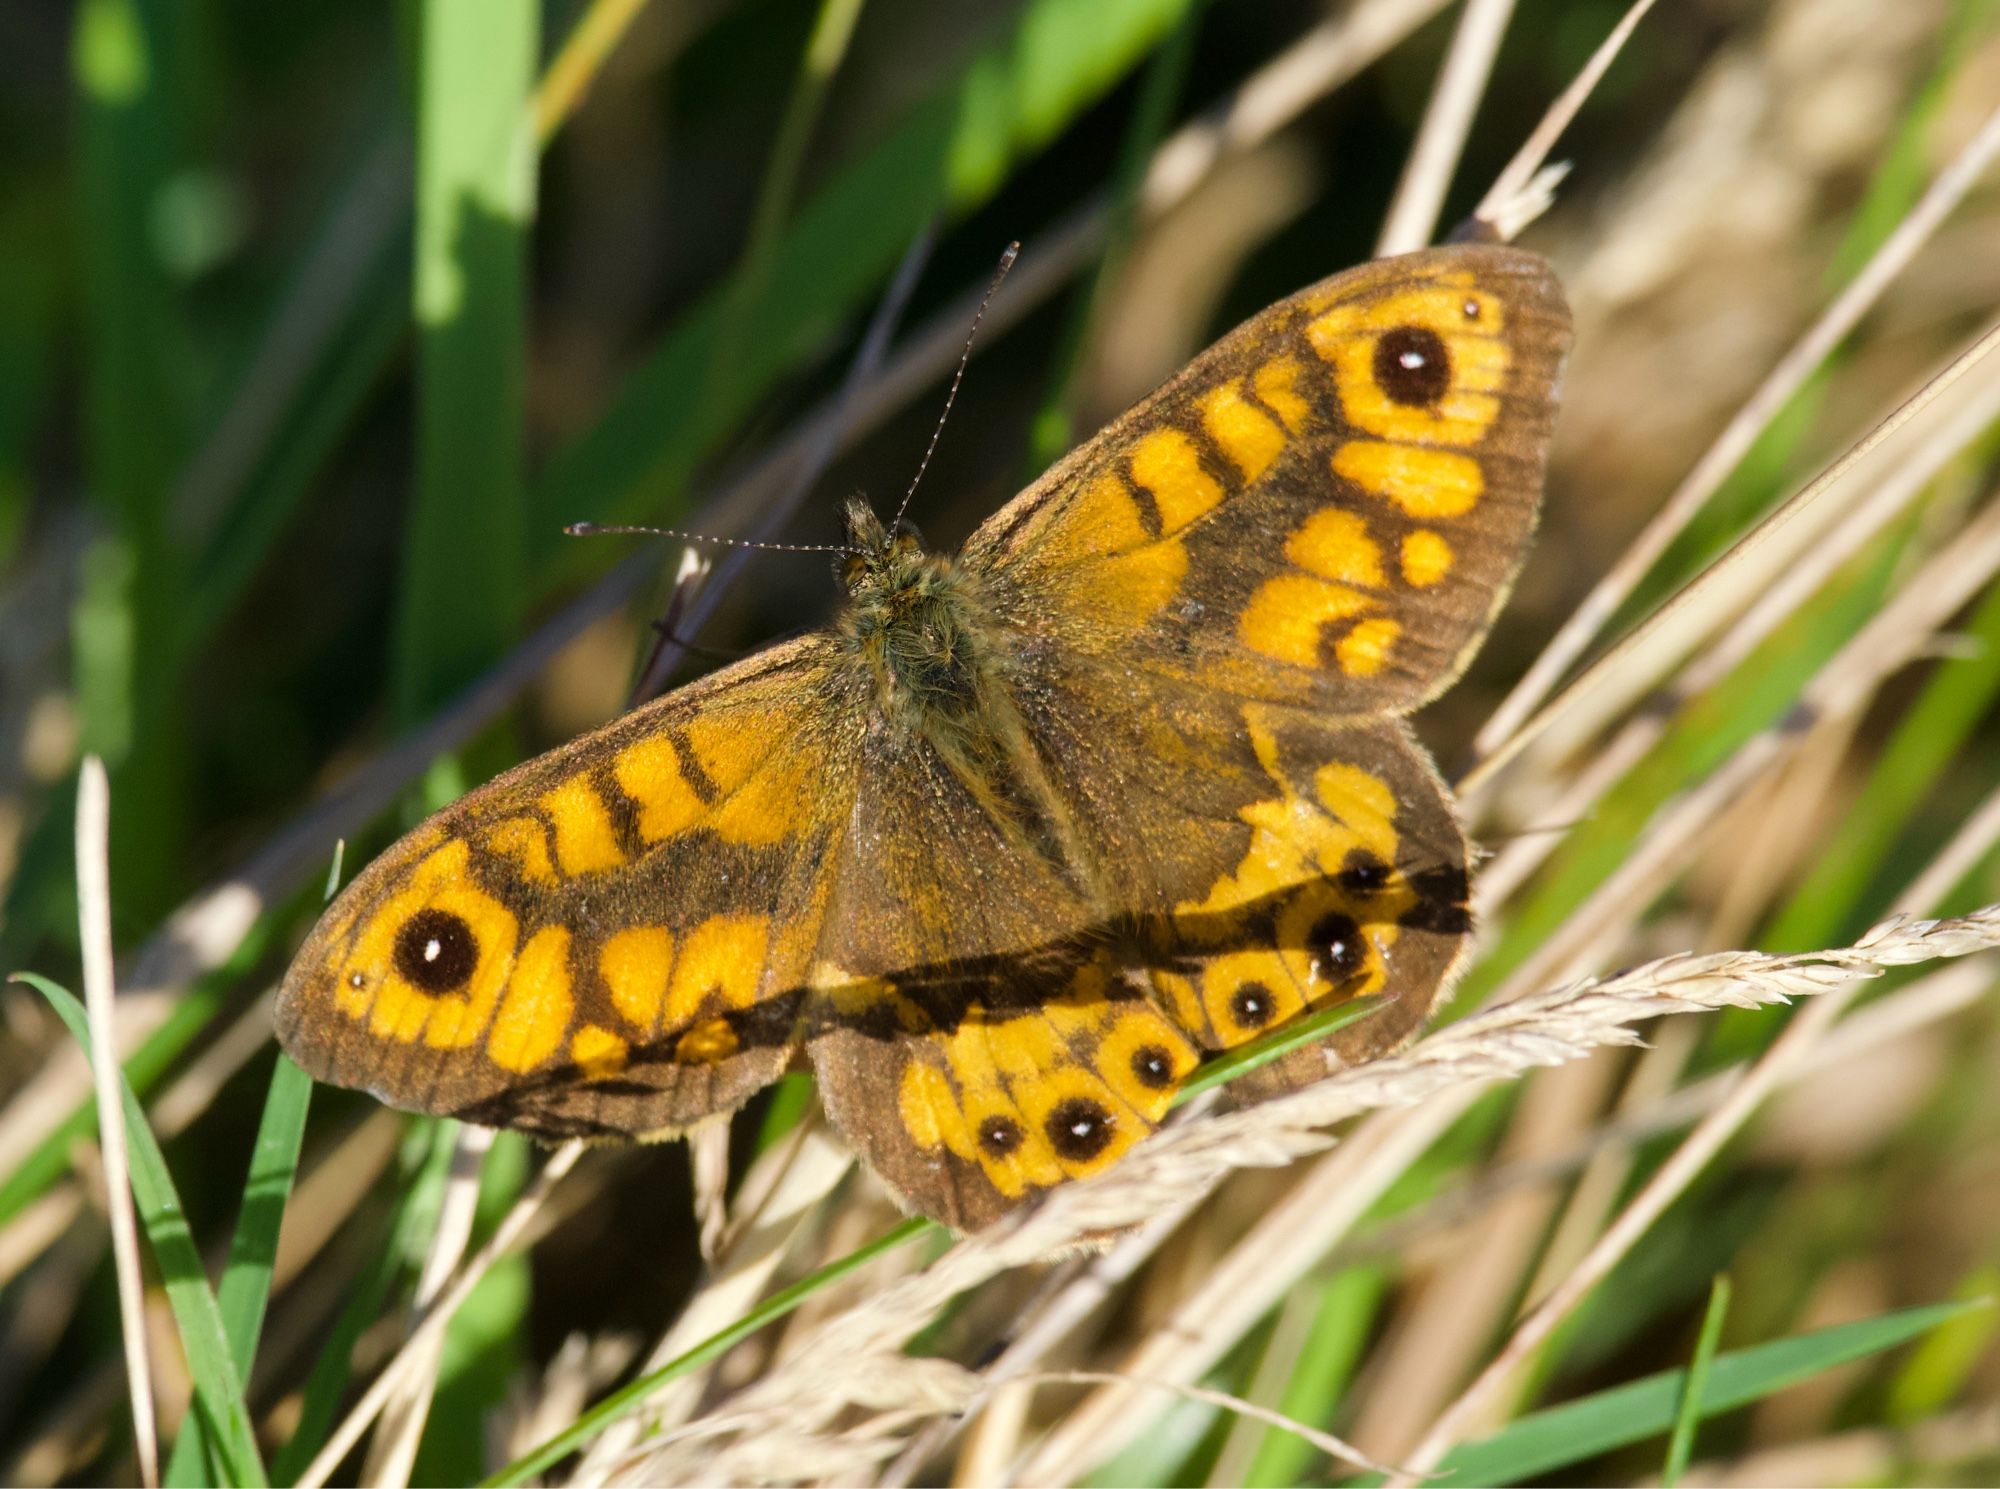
[(877, 558)]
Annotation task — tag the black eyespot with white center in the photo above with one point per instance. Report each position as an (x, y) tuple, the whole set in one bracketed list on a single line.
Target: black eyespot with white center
[(436, 951), (999, 1135), (1412, 366), (1153, 1066), (1362, 873), (1079, 1129), (1336, 940), (1253, 1006)]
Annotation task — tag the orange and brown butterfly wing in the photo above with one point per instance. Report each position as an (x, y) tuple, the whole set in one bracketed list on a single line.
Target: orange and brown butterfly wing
[(613, 938), (1222, 601), (1024, 1021), (1326, 507), (970, 1034), (1273, 861)]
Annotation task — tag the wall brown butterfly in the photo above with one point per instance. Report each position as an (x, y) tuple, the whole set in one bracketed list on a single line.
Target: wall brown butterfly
[(1030, 829)]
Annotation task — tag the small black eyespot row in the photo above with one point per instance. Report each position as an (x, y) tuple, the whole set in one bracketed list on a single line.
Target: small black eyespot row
[(1079, 1129)]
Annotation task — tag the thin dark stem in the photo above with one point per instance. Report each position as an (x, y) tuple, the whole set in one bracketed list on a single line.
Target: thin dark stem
[(868, 358)]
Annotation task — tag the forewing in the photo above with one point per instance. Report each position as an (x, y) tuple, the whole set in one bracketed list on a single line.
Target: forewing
[(1326, 507), (611, 939)]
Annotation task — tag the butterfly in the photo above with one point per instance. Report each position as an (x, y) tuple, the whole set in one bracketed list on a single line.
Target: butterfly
[(1030, 830)]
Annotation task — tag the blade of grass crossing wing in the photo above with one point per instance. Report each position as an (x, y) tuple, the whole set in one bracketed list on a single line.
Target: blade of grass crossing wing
[(218, 1386), (1539, 1444), (246, 1278), (1275, 1045), (1680, 1445), (628, 1399)]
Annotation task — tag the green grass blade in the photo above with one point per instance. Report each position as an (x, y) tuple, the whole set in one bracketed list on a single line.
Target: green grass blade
[(1928, 740), (951, 153), (1275, 1045), (1343, 1315), (128, 67), (423, 1167), (1680, 1446), (218, 1385), (51, 1158), (1949, 1359), (463, 581), (246, 1278), (625, 1401), (832, 30), (274, 1164), (259, 495), (1054, 428), (1545, 1441)]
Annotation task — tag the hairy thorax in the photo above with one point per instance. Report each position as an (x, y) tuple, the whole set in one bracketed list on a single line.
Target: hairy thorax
[(916, 626)]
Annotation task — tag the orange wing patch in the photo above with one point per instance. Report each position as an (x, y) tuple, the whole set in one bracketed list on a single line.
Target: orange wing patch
[(1168, 466), (1425, 365), (535, 1012), (1286, 615), (1427, 484), (1131, 575), (430, 962), (1426, 558), (649, 772), (1242, 431), (721, 958), (1276, 386), (1324, 859), (757, 779), (1036, 1098), (526, 841), (586, 842), (635, 964), (598, 1053)]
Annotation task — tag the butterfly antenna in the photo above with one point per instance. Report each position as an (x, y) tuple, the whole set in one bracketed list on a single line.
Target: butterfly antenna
[(600, 529), (1012, 252)]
